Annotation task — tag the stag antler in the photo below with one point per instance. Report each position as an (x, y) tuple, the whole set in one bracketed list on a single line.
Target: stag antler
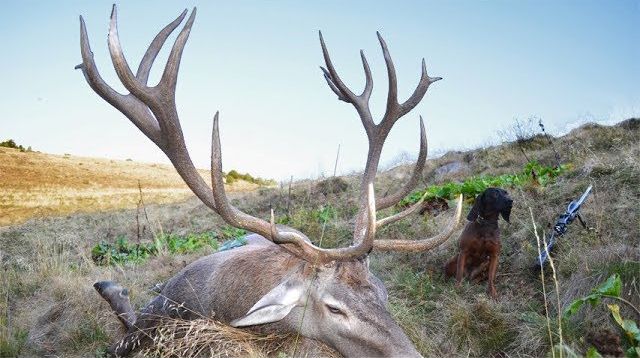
[(377, 134), (153, 111), (423, 244)]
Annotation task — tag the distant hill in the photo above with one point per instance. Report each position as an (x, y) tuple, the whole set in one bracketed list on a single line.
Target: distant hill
[(36, 184)]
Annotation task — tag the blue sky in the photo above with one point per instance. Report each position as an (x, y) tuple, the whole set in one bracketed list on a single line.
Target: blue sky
[(257, 62)]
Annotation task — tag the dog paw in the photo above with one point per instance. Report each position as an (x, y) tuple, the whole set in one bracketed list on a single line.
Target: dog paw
[(493, 293)]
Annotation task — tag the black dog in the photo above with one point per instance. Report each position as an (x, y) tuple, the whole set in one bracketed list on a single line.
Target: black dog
[(480, 239)]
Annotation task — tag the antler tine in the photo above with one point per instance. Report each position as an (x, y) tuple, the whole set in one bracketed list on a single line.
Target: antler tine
[(392, 97), (361, 102), (228, 212), (419, 92), (332, 75), (423, 244), (368, 87), (392, 199), (403, 214), (170, 75), (154, 48), (120, 63), (128, 104)]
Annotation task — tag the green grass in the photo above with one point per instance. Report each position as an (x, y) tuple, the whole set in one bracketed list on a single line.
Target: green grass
[(86, 334), (11, 344), (418, 288), (481, 327), (322, 222), (611, 290)]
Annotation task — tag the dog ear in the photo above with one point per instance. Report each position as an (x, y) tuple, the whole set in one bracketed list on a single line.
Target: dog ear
[(475, 210), (505, 213)]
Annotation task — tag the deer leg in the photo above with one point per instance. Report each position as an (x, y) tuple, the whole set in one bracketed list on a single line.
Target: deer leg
[(118, 298), (141, 332)]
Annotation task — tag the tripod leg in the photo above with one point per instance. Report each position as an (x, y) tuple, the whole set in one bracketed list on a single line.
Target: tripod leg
[(584, 225)]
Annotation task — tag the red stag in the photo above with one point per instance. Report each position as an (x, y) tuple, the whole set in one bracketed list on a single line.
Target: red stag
[(281, 276)]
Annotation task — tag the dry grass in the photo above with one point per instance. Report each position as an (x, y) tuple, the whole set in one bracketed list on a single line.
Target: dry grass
[(47, 305), (208, 338), (36, 184)]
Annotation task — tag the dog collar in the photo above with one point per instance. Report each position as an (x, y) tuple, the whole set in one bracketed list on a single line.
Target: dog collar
[(480, 220)]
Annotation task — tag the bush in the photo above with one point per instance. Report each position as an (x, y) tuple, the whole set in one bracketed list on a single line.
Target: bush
[(473, 186), (10, 143), (234, 176), (335, 185)]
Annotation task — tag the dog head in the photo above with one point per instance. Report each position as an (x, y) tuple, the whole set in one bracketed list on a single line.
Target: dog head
[(491, 201)]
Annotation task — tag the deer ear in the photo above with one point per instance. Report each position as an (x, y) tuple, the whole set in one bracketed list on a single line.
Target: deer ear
[(273, 306)]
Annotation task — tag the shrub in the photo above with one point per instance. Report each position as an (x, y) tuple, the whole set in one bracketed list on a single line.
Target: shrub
[(333, 185), (473, 186), (234, 176), (10, 143)]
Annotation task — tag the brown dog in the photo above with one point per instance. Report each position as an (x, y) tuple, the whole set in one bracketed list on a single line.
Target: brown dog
[(480, 239)]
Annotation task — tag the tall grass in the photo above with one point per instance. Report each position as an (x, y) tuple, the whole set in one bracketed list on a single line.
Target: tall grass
[(544, 291)]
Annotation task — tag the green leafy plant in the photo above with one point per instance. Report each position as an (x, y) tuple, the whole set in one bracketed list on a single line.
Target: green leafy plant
[(475, 185), (325, 213), (611, 289), (192, 242), (123, 251), (230, 232)]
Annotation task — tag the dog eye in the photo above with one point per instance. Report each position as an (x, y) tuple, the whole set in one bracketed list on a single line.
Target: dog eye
[(334, 310)]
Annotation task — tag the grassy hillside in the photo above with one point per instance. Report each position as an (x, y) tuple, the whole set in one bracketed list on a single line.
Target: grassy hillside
[(47, 304), (37, 184)]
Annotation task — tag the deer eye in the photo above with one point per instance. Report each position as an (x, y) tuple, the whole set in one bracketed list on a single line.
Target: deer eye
[(335, 310)]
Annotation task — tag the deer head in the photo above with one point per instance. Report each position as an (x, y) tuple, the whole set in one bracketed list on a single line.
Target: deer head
[(294, 285)]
